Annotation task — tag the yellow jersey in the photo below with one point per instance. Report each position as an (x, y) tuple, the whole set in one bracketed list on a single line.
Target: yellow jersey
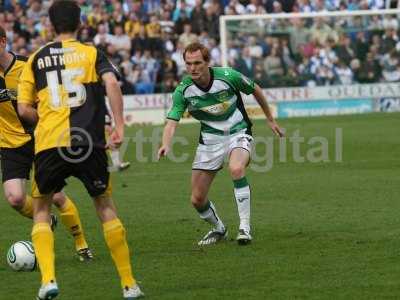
[(14, 132), (64, 80)]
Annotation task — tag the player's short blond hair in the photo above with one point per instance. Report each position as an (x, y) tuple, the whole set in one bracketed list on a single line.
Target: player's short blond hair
[(193, 47)]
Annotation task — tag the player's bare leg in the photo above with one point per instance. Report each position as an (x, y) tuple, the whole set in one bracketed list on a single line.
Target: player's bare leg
[(201, 182), (15, 194), (238, 161), (14, 191)]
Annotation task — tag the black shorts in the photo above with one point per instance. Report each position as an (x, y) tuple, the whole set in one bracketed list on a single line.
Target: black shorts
[(54, 165), (16, 163)]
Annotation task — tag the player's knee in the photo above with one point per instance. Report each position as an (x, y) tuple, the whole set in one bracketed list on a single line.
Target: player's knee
[(16, 200), (197, 200), (237, 171), (59, 199)]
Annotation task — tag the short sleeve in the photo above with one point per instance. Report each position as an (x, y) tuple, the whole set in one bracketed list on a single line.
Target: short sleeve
[(241, 82), (178, 106), (26, 86), (104, 65)]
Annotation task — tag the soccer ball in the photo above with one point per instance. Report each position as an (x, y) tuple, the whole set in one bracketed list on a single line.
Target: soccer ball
[(21, 256)]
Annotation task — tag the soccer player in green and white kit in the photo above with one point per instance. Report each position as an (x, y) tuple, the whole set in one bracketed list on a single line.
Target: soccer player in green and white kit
[(212, 96)]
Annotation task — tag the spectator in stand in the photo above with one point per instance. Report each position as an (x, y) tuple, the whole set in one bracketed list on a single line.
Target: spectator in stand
[(369, 71), (299, 36), (144, 83), (345, 51), (321, 31), (277, 7), (376, 4), (121, 41), (212, 22), (151, 6), (389, 40), (96, 14), (149, 64), (274, 67), (375, 23), (361, 45), (126, 63), (168, 68), (137, 57), (343, 73), (255, 7), (215, 54), (166, 23), (260, 77), (197, 18), (233, 52), (84, 35), (153, 30), (177, 56), (117, 17), (36, 10), (255, 49), (187, 37), (183, 19), (128, 79), (304, 6), (390, 22), (181, 10), (140, 42), (307, 77), (236, 7), (266, 45), (391, 67), (319, 6), (102, 35), (169, 84), (245, 63), (113, 55), (325, 75), (286, 53), (204, 39), (168, 41), (132, 25)]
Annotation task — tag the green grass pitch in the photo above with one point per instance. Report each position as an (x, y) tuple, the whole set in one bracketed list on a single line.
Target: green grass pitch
[(327, 230)]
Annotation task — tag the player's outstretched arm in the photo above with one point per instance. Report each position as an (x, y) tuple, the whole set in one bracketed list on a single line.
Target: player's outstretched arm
[(262, 101), (28, 113), (169, 131), (114, 95)]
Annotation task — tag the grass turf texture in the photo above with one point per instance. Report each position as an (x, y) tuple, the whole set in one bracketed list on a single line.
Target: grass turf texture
[(321, 230)]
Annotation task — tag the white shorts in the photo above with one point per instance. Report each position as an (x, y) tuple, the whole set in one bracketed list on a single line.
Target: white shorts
[(212, 156)]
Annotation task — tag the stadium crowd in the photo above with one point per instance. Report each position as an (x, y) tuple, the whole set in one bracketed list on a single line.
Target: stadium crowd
[(146, 38)]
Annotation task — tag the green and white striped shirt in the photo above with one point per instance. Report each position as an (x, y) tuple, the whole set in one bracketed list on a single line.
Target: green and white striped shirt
[(219, 107)]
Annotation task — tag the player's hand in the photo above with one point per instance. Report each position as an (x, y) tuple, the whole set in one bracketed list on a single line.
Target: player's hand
[(275, 128), (116, 138), (163, 151)]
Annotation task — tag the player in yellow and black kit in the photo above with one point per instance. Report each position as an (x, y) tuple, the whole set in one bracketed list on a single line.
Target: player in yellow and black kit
[(17, 152), (64, 80)]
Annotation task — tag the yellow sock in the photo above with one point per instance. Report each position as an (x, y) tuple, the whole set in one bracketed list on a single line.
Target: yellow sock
[(43, 242), (114, 233), (27, 209), (70, 218)]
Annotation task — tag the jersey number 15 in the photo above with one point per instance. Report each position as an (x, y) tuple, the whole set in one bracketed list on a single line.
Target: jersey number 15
[(68, 92)]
